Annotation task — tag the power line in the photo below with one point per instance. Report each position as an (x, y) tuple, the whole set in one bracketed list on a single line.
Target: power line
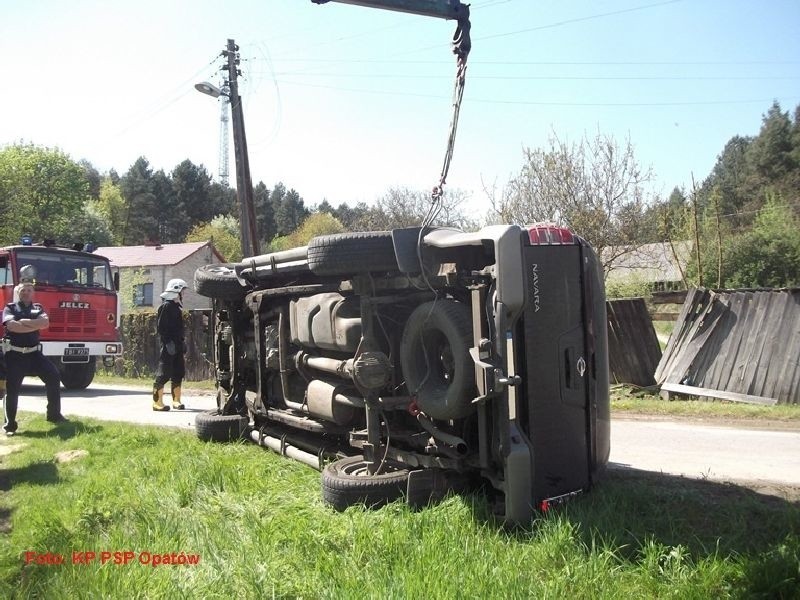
[(550, 62), (547, 77), (541, 103), (576, 20), (555, 24), (182, 89)]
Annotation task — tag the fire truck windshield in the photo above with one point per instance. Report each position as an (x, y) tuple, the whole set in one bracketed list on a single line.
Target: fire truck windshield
[(63, 269)]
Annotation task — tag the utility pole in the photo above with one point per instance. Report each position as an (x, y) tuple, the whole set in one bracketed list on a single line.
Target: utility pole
[(244, 185)]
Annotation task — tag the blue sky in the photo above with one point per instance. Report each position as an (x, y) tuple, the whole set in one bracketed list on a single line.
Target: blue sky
[(343, 102)]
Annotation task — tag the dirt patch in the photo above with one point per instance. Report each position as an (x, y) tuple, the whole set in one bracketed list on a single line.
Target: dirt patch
[(70, 455), (6, 449), (715, 490)]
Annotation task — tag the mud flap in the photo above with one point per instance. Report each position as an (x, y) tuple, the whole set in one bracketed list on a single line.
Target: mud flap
[(428, 486), (517, 469)]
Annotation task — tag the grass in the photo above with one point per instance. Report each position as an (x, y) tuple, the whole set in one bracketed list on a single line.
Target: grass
[(628, 400), (107, 378), (258, 524)]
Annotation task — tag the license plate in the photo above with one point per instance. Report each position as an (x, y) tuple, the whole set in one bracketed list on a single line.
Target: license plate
[(76, 352)]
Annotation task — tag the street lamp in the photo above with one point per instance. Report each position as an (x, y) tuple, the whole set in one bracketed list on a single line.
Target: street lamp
[(244, 184), (209, 89)]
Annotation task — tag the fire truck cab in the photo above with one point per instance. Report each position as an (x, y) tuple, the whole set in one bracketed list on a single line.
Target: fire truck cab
[(79, 293)]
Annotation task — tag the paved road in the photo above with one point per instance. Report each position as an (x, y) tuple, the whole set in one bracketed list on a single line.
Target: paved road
[(703, 451), (116, 403), (679, 448)]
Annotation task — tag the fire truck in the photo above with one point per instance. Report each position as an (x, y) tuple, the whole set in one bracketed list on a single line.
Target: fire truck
[(79, 293)]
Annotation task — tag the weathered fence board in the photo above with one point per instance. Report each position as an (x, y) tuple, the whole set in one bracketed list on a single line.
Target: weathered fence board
[(736, 345), (633, 350)]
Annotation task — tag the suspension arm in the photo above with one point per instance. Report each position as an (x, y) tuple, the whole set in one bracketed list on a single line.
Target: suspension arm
[(442, 9)]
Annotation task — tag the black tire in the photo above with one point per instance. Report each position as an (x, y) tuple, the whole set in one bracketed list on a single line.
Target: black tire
[(214, 427), (77, 376), (346, 482), (352, 253), (442, 332), (218, 281)]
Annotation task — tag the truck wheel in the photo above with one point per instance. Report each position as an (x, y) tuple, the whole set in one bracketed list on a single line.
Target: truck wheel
[(218, 281), (440, 331), (214, 427), (346, 482), (350, 253), (77, 376)]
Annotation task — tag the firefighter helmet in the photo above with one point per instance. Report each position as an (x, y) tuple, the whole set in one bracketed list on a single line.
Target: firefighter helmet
[(173, 289), (27, 273)]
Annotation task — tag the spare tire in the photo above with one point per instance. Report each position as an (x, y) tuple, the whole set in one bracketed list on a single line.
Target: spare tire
[(214, 427), (346, 482), (218, 281), (352, 253), (434, 354)]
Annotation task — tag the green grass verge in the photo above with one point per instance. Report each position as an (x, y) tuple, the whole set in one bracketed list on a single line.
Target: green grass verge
[(625, 399), (258, 524), (103, 377)]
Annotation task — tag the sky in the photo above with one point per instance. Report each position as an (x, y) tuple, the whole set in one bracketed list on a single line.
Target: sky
[(344, 102)]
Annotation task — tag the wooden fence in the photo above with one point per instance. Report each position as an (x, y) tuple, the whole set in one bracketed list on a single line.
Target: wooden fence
[(142, 347), (662, 300), (740, 345), (633, 350)]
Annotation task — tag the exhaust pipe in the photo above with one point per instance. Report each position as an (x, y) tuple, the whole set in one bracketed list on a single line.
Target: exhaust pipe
[(285, 449), (446, 438)]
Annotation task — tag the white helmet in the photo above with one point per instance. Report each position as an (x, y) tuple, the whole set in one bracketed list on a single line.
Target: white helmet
[(174, 287), (27, 273)]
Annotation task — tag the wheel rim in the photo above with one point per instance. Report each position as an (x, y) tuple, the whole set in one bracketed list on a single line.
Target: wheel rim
[(361, 469)]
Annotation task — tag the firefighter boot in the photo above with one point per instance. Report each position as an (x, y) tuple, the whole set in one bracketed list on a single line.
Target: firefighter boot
[(176, 398), (158, 400)]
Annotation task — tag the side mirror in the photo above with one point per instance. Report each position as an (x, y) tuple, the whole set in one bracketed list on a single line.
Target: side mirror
[(116, 280)]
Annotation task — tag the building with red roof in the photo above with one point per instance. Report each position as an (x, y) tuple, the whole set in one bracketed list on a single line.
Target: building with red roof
[(145, 270)]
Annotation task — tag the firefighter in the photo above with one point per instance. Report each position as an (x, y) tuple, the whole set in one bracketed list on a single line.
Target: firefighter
[(169, 323), (2, 376), (23, 319)]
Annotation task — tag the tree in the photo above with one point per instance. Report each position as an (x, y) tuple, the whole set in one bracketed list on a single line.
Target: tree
[(734, 178), (92, 176), (223, 231), (171, 222), (265, 213), (191, 185), (276, 199), (224, 199), (143, 213), (595, 187), (291, 213), (88, 226), (772, 149), (110, 206), (324, 207), (767, 255), (402, 207), (355, 218), (44, 189), (314, 225)]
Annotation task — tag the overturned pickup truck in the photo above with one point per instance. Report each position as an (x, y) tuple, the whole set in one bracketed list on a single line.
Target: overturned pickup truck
[(411, 362)]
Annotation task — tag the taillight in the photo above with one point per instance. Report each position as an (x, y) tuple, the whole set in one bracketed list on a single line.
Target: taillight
[(550, 233)]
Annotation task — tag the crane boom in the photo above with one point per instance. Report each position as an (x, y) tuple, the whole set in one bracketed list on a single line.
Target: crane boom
[(442, 9)]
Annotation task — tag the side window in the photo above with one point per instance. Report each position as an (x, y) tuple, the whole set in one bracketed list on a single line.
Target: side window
[(5, 271), (143, 294)]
